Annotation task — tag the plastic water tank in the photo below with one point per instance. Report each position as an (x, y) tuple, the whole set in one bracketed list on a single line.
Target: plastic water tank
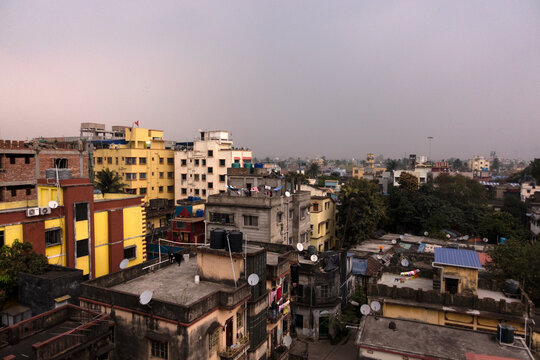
[(235, 165), (217, 239), (199, 213), (235, 239), (259, 166), (63, 174), (511, 286), (505, 333), (311, 250), (248, 165)]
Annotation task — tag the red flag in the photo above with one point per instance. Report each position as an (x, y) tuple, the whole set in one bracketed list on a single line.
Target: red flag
[(137, 123)]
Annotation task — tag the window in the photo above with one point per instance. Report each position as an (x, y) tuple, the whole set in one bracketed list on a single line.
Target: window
[(213, 341), (116, 160), (131, 161), (2, 238), (210, 170), (170, 161), (159, 349), (13, 192), (210, 185), (161, 160), (184, 162), (100, 160), (142, 191), (109, 160), (131, 176), (222, 178), (184, 191), (204, 162), (170, 189), (315, 207), (130, 252), (53, 237), (251, 220), (279, 217), (221, 162), (196, 162), (196, 177), (28, 191), (203, 177), (204, 192), (222, 218), (210, 153), (196, 191), (161, 174), (303, 237), (142, 161), (27, 159), (170, 175), (299, 323), (303, 213), (81, 211), (291, 214), (239, 320), (131, 191), (184, 176), (142, 176), (82, 247), (161, 189), (327, 205), (324, 292)]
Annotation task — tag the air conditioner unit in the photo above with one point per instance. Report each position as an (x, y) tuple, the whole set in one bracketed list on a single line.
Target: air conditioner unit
[(32, 212), (45, 210)]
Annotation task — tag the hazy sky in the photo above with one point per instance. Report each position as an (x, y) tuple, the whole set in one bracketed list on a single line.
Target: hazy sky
[(298, 78)]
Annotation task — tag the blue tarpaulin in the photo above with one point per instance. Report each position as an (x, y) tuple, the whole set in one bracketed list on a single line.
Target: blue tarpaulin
[(359, 266), (421, 248)]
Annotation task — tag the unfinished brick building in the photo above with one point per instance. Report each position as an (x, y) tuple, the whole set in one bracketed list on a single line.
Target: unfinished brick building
[(22, 163)]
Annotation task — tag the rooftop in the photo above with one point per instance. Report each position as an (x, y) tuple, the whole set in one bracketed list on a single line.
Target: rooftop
[(441, 342), (457, 257)]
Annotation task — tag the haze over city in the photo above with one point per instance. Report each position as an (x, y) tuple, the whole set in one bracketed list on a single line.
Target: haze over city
[(286, 78)]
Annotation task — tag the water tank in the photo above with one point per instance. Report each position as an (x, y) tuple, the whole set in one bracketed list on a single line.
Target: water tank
[(217, 239), (505, 333), (62, 174), (235, 239), (248, 165), (259, 166), (199, 213), (190, 198), (236, 165), (311, 250), (511, 286)]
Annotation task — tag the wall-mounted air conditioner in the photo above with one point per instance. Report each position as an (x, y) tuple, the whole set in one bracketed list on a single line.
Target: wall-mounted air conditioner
[(45, 210), (32, 212)]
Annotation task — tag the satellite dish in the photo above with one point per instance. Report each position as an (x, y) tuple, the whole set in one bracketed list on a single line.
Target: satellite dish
[(365, 309), (375, 306), (485, 240), (448, 236), (287, 194), (300, 247), (379, 257), (401, 237), (287, 340), (354, 303), (404, 262), (124, 264), (53, 204), (394, 241), (466, 237), (145, 297), (314, 258), (426, 233), (253, 279)]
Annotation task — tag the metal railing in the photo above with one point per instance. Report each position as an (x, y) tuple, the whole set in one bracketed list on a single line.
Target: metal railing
[(233, 350)]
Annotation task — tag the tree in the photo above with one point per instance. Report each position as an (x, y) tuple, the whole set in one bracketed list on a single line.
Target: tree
[(362, 209), (408, 182), (15, 259), (108, 181), (460, 190), (534, 167), (518, 260), (496, 165), (517, 208), (391, 164), (502, 224), (313, 170)]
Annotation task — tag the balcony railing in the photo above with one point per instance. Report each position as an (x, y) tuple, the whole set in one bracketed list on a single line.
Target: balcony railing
[(232, 351)]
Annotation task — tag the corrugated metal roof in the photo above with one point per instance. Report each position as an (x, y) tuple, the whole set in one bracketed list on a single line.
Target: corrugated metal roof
[(457, 257)]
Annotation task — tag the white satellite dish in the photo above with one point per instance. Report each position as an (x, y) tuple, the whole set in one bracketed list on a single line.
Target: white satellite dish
[(466, 237), (253, 279), (394, 241), (379, 257), (145, 297), (485, 240), (300, 247), (426, 233), (365, 309), (287, 340), (314, 258), (53, 204), (404, 262), (375, 306), (448, 236), (287, 194), (124, 264), (401, 237)]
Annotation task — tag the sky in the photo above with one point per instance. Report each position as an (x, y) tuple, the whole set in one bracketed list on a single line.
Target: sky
[(286, 78)]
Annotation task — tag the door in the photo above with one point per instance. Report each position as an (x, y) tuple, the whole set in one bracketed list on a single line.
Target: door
[(229, 332), (323, 326)]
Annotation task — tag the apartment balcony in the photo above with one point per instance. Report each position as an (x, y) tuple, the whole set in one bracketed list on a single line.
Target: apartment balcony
[(236, 350), (280, 353), (274, 315)]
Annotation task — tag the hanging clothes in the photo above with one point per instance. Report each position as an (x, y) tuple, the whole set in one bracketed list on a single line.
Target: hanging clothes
[(278, 294)]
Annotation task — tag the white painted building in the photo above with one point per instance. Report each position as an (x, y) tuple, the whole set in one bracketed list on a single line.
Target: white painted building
[(422, 174)]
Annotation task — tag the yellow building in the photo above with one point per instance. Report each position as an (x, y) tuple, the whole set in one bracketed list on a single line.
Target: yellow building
[(75, 228), (322, 217)]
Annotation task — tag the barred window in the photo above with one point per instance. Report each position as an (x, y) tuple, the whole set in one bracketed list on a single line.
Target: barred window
[(213, 341), (52, 237), (159, 349), (251, 220)]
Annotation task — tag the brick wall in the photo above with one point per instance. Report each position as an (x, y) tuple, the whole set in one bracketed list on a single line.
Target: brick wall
[(47, 161)]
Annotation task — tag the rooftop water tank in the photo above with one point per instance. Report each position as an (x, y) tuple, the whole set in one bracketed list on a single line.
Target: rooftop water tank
[(235, 239), (511, 286), (505, 333), (62, 173), (217, 239), (199, 213), (236, 165)]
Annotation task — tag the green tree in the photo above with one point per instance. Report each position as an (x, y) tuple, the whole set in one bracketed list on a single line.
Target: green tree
[(534, 168), (313, 170), (517, 208), (391, 164), (408, 182), (502, 224), (460, 190), (15, 259), (108, 181), (361, 210), (495, 165), (518, 260)]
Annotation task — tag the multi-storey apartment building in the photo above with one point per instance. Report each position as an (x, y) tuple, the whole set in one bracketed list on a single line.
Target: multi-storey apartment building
[(201, 166), (75, 228), (323, 218)]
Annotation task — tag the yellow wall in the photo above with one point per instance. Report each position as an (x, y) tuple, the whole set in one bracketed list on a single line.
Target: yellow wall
[(133, 232), (57, 253), (101, 242), (323, 223), (48, 193), (11, 233), (218, 267), (468, 279)]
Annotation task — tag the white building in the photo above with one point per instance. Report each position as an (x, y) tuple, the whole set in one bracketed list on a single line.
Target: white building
[(200, 167), (422, 174), (478, 163), (528, 189)]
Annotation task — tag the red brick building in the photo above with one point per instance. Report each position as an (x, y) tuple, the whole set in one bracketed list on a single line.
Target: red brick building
[(21, 164)]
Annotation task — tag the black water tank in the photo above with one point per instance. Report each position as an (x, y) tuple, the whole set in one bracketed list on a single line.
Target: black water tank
[(217, 239), (311, 250), (511, 286), (505, 333), (235, 239)]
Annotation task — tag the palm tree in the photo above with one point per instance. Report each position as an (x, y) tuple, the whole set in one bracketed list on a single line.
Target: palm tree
[(108, 181)]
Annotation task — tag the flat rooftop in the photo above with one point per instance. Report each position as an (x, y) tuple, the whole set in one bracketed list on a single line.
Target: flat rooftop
[(441, 342), (173, 284), (426, 284)]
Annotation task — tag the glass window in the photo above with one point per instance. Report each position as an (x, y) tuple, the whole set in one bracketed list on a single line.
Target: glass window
[(210, 185), (142, 191), (161, 174), (210, 153), (170, 175), (204, 162), (130, 252), (250, 220), (184, 191), (109, 160), (53, 237), (82, 247), (184, 162), (161, 160), (213, 341), (170, 161), (210, 170), (196, 191), (159, 349), (142, 161), (160, 189), (222, 218), (142, 176), (131, 160), (81, 211), (222, 178), (197, 162), (221, 162), (196, 177), (170, 189), (131, 176), (184, 176)]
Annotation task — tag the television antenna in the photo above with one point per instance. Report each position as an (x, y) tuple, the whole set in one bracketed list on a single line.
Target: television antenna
[(253, 279), (485, 240), (124, 264), (145, 297)]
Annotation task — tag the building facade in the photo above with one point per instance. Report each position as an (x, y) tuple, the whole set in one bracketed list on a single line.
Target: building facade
[(80, 230), (322, 215), (201, 166)]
